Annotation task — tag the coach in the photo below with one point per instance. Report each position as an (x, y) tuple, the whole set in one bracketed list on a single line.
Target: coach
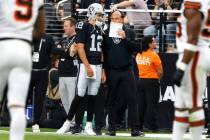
[(120, 77)]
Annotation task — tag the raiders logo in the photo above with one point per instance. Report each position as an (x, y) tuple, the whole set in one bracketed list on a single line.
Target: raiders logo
[(91, 10), (116, 40)]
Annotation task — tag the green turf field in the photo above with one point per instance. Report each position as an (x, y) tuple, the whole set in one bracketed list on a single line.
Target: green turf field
[(65, 137), (49, 134), (76, 137)]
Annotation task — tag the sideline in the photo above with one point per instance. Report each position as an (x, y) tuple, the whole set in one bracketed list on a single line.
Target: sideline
[(118, 135)]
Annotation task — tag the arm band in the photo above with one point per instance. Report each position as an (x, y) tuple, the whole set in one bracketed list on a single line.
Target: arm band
[(191, 47)]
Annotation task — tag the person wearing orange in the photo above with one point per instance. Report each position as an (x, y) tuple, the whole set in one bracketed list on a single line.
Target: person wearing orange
[(150, 71)]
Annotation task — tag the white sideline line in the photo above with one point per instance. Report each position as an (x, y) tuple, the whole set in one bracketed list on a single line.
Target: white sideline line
[(124, 135)]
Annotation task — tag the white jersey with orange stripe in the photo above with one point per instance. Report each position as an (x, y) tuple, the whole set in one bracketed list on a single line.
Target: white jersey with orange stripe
[(17, 18), (204, 7)]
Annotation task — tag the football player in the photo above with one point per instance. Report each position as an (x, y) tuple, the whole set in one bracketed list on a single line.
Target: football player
[(193, 40), (19, 21), (88, 42)]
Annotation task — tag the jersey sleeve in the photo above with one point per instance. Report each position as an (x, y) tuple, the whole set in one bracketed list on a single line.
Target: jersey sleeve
[(40, 4), (192, 4), (81, 28)]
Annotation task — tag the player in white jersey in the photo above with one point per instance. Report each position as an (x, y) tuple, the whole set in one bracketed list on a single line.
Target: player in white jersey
[(20, 20), (193, 41)]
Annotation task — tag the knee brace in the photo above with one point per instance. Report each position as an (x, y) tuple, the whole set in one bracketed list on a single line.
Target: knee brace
[(197, 118)]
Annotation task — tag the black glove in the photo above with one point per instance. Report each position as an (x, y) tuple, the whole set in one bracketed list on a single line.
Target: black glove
[(177, 78)]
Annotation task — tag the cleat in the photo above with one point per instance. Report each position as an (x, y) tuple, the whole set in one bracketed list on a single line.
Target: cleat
[(65, 128), (89, 130)]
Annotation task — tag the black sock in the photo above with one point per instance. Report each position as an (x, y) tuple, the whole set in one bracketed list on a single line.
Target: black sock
[(90, 108), (74, 106)]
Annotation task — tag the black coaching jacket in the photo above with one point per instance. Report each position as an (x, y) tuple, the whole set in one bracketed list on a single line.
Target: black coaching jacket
[(118, 52)]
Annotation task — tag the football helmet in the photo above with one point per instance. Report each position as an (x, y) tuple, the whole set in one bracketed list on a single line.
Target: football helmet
[(93, 10)]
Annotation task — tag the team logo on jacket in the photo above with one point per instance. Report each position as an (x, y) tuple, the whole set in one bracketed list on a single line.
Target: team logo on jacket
[(116, 40)]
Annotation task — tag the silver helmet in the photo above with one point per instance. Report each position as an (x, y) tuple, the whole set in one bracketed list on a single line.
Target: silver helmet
[(93, 10)]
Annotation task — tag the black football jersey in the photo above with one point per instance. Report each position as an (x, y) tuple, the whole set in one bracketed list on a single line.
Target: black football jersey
[(92, 38)]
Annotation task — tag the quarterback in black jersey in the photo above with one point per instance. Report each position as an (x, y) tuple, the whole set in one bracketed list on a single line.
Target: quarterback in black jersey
[(88, 40), (90, 74), (90, 37)]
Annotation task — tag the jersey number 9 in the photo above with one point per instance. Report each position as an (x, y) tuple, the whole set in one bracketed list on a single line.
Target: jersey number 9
[(27, 6)]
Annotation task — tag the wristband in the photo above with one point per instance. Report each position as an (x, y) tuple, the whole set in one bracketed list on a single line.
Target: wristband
[(182, 66), (191, 47)]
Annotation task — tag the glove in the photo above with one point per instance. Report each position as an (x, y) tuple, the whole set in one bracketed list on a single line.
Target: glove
[(177, 78)]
